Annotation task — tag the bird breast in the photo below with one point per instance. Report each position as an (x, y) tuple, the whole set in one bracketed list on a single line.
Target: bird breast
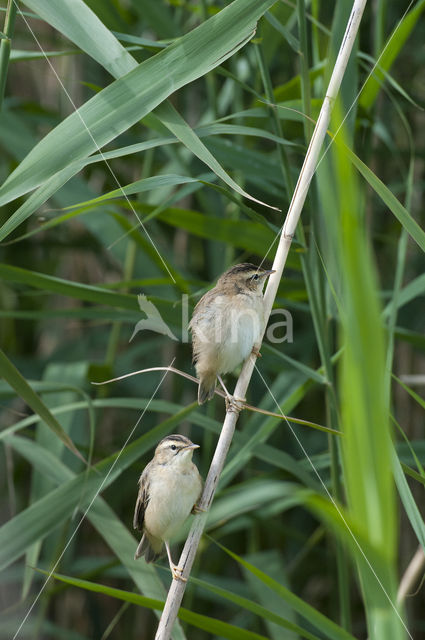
[(172, 495), (226, 331)]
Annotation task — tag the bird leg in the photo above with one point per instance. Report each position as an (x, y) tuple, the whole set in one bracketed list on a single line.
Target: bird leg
[(196, 510), (233, 403), (228, 395), (175, 570), (256, 352)]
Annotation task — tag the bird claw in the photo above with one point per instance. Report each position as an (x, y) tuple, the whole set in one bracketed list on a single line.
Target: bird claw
[(177, 573), (256, 352), (235, 404), (196, 510)]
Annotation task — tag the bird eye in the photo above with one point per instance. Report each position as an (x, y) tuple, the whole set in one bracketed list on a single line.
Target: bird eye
[(255, 276), (173, 447)]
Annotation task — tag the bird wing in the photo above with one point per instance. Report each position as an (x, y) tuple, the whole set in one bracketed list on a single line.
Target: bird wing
[(142, 501), (206, 299), (202, 315)]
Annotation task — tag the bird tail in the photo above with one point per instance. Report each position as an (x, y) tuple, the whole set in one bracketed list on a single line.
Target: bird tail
[(149, 547), (206, 387)]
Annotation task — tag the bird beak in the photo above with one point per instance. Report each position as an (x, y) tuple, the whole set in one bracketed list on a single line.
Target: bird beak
[(192, 446), (267, 273)]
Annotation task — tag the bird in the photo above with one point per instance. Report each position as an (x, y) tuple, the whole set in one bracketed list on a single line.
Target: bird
[(226, 324), (169, 488)]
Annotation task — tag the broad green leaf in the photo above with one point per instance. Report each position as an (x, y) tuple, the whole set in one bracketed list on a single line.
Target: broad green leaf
[(175, 123), (291, 90), (57, 180), (400, 212), (366, 446), (89, 293), (254, 237), (237, 499), (84, 313), (86, 292), (51, 186), (271, 455), (258, 429), (307, 371), (392, 48), (120, 403), (23, 389), (251, 236), (75, 374), (253, 607), (372, 560), (323, 624), (212, 625), (388, 78), (80, 24), (39, 197), (140, 186), (271, 562), (127, 100)]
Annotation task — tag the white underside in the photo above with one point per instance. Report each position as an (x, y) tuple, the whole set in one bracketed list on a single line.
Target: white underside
[(238, 347), (229, 333), (171, 499)]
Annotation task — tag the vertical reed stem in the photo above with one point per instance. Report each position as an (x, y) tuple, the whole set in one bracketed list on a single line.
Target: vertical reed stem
[(177, 588), (9, 24)]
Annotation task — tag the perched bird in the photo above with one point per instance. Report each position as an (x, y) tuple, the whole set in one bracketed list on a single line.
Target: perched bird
[(169, 488), (226, 323)]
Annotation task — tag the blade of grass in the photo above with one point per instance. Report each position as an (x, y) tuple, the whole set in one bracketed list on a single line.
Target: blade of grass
[(410, 506), (253, 607), (329, 628), (175, 123), (392, 48), (400, 212), (131, 97), (23, 389), (212, 625), (75, 373), (364, 404)]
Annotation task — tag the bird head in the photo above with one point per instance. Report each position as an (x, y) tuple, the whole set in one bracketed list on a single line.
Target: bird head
[(175, 449), (245, 276)]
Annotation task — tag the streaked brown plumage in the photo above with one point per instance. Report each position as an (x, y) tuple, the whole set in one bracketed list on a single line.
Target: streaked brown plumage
[(169, 488), (226, 324)]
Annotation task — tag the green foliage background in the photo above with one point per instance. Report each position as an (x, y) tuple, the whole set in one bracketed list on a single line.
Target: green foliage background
[(190, 115)]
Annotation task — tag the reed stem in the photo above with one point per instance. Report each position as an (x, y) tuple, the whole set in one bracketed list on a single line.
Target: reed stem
[(5, 45), (177, 588)]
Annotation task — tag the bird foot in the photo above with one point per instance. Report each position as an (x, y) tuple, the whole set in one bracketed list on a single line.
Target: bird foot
[(256, 352), (196, 510), (235, 404), (177, 573)]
